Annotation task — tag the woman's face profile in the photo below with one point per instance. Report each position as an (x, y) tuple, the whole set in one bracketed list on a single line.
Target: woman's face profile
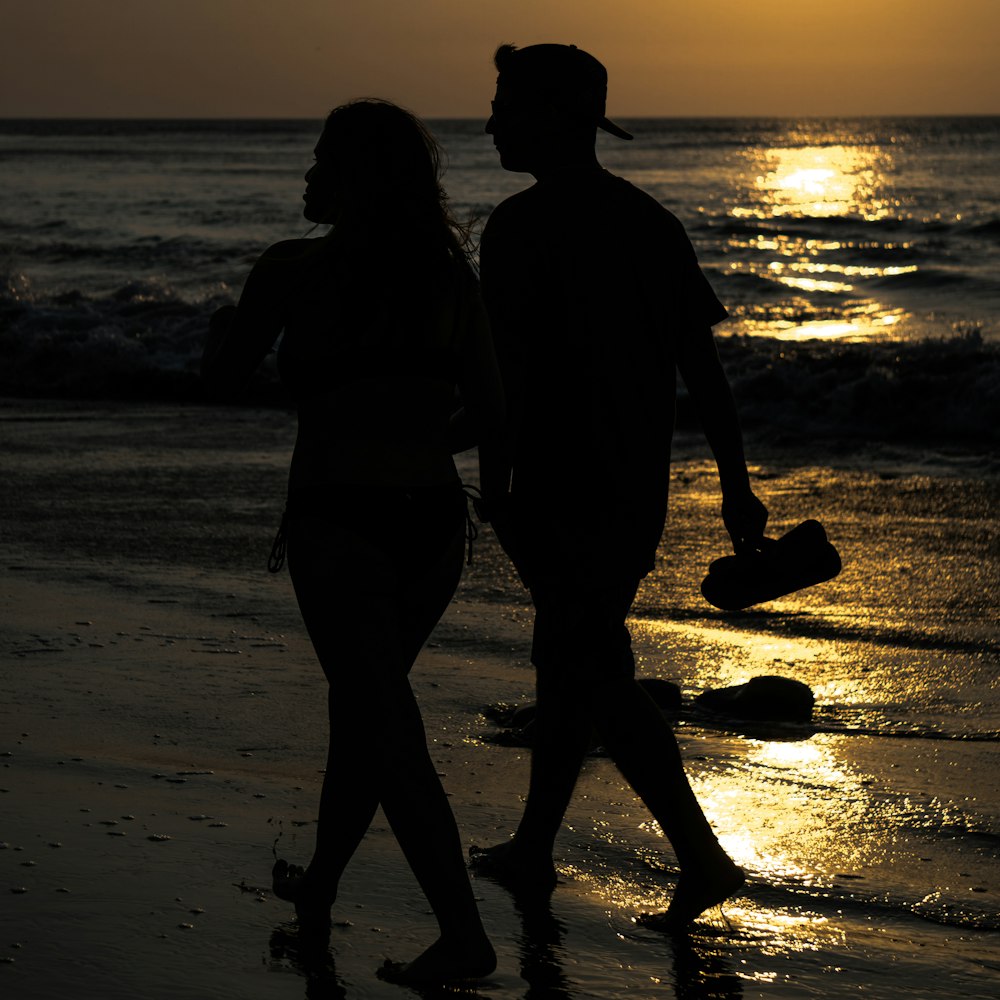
[(321, 195)]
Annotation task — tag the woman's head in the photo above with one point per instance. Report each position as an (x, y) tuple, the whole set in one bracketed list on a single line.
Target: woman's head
[(374, 161)]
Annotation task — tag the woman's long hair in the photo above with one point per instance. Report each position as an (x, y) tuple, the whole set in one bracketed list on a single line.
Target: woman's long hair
[(387, 170)]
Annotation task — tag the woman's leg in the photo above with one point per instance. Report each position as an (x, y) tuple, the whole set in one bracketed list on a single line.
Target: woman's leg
[(368, 614), (321, 555), (413, 798), (349, 593)]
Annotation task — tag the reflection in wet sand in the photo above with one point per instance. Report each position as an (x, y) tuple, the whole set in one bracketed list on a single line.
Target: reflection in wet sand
[(772, 817), (810, 813), (771, 821)]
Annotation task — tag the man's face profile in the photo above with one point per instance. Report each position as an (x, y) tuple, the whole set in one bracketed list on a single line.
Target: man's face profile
[(519, 128)]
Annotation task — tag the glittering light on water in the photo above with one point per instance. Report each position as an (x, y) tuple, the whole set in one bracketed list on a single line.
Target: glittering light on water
[(788, 273), (820, 182), (812, 285), (858, 322)]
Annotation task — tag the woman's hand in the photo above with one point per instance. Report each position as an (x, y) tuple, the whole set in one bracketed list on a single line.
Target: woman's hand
[(222, 318), (218, 327)]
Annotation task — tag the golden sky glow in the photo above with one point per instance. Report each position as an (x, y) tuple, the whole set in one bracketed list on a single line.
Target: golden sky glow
[(261, 58)]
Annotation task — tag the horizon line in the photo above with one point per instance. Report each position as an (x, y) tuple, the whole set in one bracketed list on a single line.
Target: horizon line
[(483, 117)]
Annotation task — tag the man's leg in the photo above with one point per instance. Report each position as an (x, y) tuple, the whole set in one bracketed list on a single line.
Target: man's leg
[(562, 736), (565, 635), (586, 681), (642, 744)]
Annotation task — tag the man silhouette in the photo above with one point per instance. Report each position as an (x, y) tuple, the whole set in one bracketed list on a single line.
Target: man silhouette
[(596, 301)]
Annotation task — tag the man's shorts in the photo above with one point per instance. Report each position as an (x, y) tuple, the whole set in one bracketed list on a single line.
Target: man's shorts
[(580, 626)]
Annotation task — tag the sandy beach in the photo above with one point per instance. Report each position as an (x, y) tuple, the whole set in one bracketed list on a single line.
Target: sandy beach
[(162, 727)]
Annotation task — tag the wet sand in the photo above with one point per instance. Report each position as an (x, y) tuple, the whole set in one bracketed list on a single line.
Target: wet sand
[(162, 726)]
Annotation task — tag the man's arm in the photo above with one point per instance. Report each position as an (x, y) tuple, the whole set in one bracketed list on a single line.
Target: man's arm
[(698, 361), (479, 384), (503, 292)]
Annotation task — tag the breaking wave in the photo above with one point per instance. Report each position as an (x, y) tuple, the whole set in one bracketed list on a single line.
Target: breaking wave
[(144, 341)]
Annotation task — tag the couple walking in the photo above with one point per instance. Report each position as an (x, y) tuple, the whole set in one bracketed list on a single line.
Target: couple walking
[(591, 299)]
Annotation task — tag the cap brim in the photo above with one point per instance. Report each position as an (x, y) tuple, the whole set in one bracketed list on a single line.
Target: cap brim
[(610, 126)]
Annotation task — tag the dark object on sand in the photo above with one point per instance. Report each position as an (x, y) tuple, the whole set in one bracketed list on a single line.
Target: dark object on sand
[(666, 694), (761, 699), (518, 721), (800, 558)]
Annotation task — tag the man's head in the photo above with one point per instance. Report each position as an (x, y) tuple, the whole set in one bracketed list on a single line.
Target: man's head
[(550, 101)]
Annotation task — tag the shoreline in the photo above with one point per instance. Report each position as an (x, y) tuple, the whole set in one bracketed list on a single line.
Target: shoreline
[(149, 848), (764, 446), (151, 524)]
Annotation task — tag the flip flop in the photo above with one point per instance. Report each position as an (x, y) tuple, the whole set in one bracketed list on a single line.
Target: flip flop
[(801, 558)]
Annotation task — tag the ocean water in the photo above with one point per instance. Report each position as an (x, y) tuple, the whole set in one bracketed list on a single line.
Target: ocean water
[(859, 259), (871, 837)]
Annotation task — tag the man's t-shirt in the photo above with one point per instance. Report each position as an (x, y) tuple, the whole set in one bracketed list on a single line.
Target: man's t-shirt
[(589, 284)]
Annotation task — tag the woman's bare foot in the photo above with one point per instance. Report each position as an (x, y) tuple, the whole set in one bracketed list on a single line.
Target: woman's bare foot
[(286, 880), (693, 896), (444, 962), (292, 883), (512, 868)]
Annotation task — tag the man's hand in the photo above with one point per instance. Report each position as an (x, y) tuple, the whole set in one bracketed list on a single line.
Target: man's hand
[(745, 518)]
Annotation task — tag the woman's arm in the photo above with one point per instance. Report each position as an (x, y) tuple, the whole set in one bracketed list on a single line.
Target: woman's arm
[(240, 337)]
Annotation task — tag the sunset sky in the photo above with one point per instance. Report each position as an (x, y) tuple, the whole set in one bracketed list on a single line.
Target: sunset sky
[(296, 58)]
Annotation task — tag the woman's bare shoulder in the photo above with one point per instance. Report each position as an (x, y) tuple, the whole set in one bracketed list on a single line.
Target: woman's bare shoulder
[(284, 262), (293, 250)]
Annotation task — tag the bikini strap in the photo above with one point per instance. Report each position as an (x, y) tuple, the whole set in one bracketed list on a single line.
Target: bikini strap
[(276, 560), (473, 494)]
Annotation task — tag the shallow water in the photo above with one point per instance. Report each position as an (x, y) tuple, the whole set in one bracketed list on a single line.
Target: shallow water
[(871, 838)]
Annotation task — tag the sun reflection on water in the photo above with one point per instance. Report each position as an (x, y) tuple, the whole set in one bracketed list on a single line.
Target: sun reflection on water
[(820, 182), (790, 273), (818, 185)]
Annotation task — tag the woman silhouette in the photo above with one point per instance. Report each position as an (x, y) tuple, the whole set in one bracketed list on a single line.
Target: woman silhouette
[(382, 329)]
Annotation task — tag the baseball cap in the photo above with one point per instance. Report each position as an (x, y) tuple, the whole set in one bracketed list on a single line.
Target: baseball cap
[(570, 77)]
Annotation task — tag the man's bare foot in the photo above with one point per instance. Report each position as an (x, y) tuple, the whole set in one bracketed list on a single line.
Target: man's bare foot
[(693, 896), (292, 883), (509, 866), (444, 962)]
